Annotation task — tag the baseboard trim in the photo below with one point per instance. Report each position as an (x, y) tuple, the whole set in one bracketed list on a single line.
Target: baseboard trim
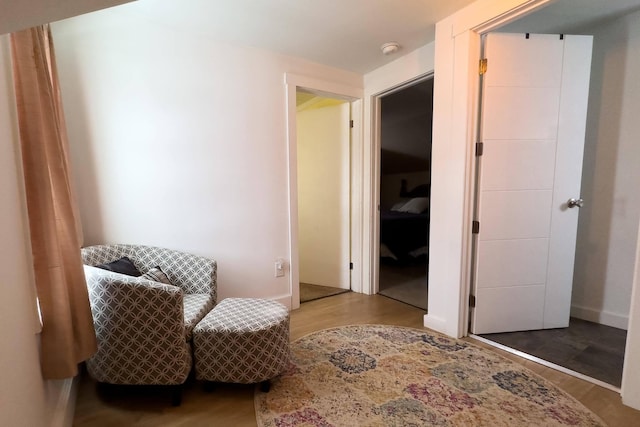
[(598, 316), (284, 300), (435, 323), (65, 404)]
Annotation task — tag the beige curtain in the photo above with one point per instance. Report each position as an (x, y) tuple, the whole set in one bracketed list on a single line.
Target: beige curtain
[(68, 336)]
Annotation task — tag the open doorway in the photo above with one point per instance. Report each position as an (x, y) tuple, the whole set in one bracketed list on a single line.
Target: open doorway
[(406, 116), (594, 343), (353, 215), (323, 141)]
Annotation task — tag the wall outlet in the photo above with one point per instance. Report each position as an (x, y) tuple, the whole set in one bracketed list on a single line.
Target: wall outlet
[(279, 267)]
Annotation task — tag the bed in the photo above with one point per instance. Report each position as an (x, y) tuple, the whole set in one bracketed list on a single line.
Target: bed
[(404, 229)]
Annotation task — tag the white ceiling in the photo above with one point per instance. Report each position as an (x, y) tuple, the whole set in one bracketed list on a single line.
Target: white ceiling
[(566, 16), (17, 15), (345, 34)]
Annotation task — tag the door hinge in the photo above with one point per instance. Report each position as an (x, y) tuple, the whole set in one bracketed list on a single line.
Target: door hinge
[(475, 227), (479, 149), (472, 301), (350, 266), (350, 123), (483, 66)]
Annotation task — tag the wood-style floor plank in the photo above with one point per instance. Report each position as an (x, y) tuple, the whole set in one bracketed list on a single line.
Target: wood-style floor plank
[(232, 405)]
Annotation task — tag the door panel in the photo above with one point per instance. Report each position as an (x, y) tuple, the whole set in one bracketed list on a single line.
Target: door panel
[(512, 262), (515, 214), (526, 71), (564, 222), (520, 113), (520, 308), (533, 120), (518, 165), (323, 195)]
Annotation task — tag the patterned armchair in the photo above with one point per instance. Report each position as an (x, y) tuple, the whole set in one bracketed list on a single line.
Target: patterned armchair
[(144, 327)]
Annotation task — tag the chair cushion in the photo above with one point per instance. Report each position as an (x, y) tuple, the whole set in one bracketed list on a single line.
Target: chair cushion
[(123, 266), (196, 306)]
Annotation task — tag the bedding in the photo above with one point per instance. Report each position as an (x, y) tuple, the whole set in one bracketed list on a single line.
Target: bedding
[(415, 205), (403, 233)]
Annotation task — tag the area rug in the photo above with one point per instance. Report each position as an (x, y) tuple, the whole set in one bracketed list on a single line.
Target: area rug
[(374, 375)]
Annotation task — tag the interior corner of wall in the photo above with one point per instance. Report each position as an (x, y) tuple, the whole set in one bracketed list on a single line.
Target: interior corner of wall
[(287, 301), (63, 394), (436, 323)]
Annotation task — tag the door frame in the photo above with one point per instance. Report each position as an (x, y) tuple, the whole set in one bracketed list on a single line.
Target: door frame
[(455, 102), (376, 133), (338, 91), (573, 54), (457, 52)]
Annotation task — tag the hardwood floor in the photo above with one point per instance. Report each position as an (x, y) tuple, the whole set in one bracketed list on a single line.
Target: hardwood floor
[(232, 405), (310, 292)]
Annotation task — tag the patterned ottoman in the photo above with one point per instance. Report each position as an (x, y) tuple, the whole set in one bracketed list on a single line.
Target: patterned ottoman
[(242, 340)]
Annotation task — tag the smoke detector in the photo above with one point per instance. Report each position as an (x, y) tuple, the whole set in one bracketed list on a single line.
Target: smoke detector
[(390, 48)]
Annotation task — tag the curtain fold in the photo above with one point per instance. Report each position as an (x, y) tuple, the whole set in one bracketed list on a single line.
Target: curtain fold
[(67, 336)]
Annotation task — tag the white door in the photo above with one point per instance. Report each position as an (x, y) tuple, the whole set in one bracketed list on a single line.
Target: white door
[(324, 193), (533, 120)]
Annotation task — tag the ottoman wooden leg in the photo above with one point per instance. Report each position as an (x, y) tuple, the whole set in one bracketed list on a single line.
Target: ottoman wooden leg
[(265, 386)]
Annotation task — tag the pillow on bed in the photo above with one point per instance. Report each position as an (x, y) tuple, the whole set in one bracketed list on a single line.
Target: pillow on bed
[(398, 206), (416, 205)]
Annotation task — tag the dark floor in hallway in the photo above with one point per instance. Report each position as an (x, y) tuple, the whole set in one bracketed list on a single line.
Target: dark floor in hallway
[(405, 282), (586, 347)]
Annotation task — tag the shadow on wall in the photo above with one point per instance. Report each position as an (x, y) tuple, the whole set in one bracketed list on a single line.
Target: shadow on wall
[(81, 153), (600, 167)]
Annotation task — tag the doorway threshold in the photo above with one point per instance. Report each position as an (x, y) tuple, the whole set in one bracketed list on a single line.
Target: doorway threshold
[(310, 292), (546, 363)]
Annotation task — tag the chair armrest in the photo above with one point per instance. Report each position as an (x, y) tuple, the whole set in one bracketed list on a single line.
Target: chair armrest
[(133, 315)]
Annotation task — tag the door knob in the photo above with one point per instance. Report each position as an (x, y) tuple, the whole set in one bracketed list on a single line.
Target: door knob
[(573, 203)]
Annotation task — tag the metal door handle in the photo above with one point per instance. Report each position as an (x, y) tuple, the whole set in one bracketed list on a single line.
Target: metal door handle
[(573, 203)]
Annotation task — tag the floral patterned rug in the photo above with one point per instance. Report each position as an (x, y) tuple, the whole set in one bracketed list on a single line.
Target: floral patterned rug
[(373, 375)]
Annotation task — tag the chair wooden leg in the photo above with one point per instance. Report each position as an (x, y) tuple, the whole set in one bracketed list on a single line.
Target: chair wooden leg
[(176, 395), (265, 386)]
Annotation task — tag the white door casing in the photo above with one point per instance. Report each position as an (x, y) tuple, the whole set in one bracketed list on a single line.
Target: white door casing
[(354, 95), (533, 124)]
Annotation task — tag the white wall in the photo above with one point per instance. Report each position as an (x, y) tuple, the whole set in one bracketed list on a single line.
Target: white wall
[(323, 195), (180, 141), (410, 135), (609, 221), (24, 396)]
